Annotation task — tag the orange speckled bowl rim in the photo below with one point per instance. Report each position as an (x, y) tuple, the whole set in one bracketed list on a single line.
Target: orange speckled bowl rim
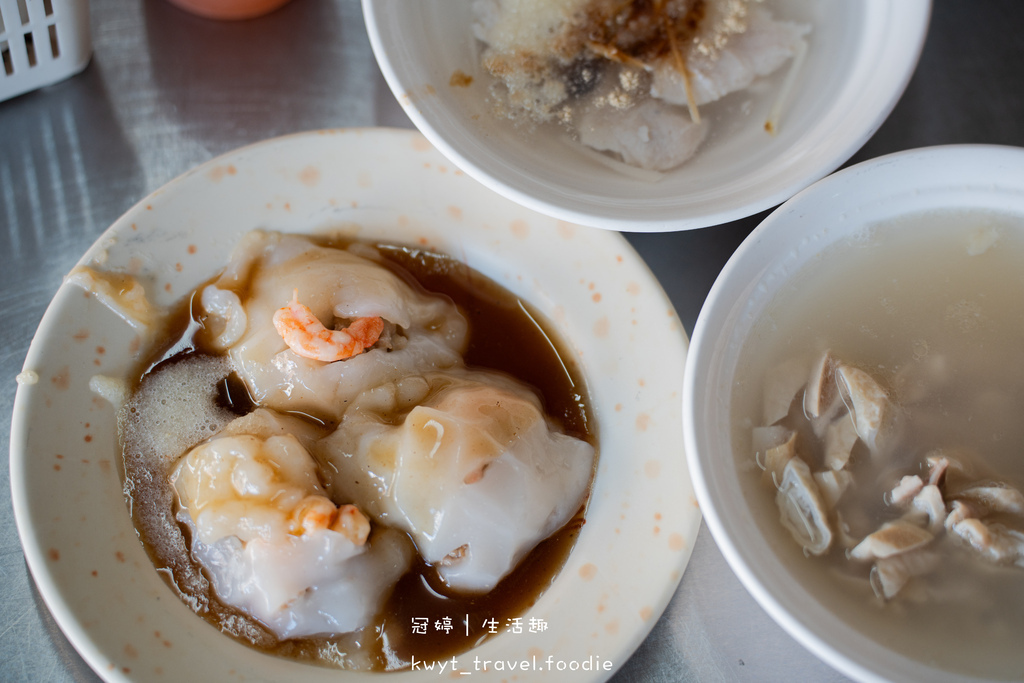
[(80, 545)]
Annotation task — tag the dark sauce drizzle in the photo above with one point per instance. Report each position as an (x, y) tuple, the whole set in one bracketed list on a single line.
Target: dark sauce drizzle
[(506, 335)]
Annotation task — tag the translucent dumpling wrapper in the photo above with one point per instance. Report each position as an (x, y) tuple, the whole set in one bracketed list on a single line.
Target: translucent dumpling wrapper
[(650, 135), (466, 463), (273, 545), (268, 271), (760, 48)]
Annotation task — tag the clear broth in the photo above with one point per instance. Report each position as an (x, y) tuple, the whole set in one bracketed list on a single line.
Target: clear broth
[(946, 286)]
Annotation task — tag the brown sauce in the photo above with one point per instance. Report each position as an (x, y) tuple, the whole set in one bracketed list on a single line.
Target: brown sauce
[(640, 32), (505, 334)]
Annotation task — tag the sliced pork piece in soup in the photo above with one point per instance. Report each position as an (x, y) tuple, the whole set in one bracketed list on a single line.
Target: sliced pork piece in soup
[(959, 510), (870, 406), (890, 574), (820, 393), (840, 438), (937, 466), (801, 508), (326, 294), (776, 458), (929, 501), (473, 471), (905, 491), (823, 407), (765, 438), (272, 543), (995, 542), (832, 484), (996, 497), (892, 539)]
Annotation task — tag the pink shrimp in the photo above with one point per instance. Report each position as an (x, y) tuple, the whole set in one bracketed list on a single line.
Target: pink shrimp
[(307, 336), (317, 513)]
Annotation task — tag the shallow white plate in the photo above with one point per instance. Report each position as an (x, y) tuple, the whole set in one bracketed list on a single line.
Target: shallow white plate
[(954, 178), (860, 57), (79, 542)]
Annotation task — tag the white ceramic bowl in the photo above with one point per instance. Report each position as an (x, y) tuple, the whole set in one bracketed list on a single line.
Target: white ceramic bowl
[(860, 58), (79, 542), (833, 209)]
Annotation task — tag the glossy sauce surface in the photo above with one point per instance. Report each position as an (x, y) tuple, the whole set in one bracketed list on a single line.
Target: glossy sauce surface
[(507, 335)]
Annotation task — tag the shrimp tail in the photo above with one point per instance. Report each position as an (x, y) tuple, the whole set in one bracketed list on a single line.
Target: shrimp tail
[(307, 337), (366, 330)]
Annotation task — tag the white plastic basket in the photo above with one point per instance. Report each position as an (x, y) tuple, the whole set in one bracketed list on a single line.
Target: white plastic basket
[(41, 42)]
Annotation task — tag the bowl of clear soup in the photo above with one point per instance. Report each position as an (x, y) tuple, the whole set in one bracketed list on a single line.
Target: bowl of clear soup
[(852, 402)]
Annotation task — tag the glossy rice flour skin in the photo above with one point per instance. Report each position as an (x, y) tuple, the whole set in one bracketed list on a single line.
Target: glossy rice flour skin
[(931, 308), (631, 80), (274, 493)]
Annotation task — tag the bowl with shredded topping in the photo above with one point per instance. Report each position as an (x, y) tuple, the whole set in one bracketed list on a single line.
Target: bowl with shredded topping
[(647, 116)]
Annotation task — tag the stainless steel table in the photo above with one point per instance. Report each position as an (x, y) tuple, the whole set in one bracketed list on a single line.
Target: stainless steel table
[(166, 91)]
